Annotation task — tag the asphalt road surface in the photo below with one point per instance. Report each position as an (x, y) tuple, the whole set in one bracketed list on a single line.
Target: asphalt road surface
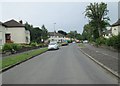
[(68, 65)]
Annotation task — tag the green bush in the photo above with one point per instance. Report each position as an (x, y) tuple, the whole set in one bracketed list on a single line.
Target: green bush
[(100, 41), (113, 41), (34, 44), (10, 46), (16, 46), (69, 41), (42, 45), (7, 47)]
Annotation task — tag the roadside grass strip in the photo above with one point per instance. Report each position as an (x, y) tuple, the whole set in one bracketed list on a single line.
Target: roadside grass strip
[(12, 60), (81, 45), (0, 50)]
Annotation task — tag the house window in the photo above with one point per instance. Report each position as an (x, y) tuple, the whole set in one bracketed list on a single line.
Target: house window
[(8, 38)]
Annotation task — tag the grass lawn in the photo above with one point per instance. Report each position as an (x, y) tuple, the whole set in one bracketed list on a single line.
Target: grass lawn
[(81, 45), (11, 60)]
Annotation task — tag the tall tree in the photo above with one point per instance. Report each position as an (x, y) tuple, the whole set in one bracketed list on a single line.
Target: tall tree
[(35, 33), (97, 13), (44, 33), (89, 33)]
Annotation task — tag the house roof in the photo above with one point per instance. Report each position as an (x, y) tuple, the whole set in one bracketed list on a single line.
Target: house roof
[(55, 34), (13, 23), (1, 23), (116, 23)]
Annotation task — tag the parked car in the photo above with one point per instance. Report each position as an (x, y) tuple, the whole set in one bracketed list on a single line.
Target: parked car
[(64, 43), (85, 41), (73, 42), (53, 45)]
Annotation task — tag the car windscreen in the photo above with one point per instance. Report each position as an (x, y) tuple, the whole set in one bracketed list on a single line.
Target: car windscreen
[(52, 43)]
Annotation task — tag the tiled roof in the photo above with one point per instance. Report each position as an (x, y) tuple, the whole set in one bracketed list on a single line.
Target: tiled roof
[(13, 23)]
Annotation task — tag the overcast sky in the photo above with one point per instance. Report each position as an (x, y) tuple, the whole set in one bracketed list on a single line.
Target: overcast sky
[(67, 15)]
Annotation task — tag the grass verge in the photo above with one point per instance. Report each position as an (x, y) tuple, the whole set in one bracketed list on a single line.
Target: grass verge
[(81, 45), (12, 60)]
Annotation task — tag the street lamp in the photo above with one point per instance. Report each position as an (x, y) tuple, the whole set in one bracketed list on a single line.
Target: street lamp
[(54, 28)]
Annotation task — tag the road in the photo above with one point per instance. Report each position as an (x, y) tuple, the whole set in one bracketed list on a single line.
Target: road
[(68, 65)]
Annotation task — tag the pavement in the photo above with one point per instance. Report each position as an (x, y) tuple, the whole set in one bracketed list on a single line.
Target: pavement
[(68, 65), (107, 57)]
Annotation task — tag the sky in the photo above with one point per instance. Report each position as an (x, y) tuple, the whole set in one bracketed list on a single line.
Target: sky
[(68, 16)]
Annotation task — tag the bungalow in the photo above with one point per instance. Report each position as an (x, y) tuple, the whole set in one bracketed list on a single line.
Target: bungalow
[(116, 28), (13, 32), (54, 36)]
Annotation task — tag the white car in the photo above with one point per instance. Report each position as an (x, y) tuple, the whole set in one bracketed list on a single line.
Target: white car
[(53, 45), (73, 42), (85, 41)]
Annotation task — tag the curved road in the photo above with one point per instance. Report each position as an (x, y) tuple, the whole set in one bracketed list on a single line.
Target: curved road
[(64, 66)]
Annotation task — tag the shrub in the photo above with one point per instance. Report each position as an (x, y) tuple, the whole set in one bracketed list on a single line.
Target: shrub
[(11, 46), (16, 46), (100, 41), (7, 47), (69, 41), (34, 44), (42, 45)]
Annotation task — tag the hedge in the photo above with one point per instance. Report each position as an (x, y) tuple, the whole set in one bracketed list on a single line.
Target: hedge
[(113, 41)]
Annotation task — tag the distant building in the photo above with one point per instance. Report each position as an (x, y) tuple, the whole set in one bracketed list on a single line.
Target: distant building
[(14, 32), (54, 36), (116, 28)]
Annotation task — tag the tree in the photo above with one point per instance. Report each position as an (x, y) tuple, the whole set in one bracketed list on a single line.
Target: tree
[(78, 36), (87, 32), (35, 33), (62, 32), (44, 34), (74, 35), (97, 13)]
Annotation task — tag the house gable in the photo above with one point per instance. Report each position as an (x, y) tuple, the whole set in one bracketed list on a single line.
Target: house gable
[(13, 23)]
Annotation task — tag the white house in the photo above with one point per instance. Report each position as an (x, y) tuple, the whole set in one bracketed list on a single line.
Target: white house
[(2, 34), (15, 33), (107, 33), (116, 28), (54, 36)]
